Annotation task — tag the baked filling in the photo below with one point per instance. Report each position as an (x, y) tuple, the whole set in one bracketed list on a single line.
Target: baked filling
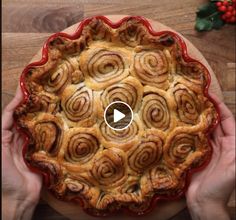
[(85, 159)]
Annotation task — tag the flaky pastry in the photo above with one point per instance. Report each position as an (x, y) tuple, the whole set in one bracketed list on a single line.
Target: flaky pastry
[(69, 140)]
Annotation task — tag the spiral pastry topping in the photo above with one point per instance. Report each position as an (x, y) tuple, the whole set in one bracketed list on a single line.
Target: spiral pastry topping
[(187, 107), (146, 154), (61, 76), (104, 66), (181, 147), (162, 178), (88, 155), (119, 136), (47, 135), (155, 111), (109, 168), (77, 103), (81, 147), (151, 67), (121, 92)]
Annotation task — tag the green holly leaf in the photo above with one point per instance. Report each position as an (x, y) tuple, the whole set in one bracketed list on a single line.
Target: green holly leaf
[(217, 22), (203, 24), (206, 10), (208, 17)]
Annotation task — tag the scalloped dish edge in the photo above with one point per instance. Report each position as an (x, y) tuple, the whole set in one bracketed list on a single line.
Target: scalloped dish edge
[(75, 35)]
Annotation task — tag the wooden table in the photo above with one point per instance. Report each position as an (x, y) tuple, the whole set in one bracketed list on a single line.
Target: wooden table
[(27, 24)]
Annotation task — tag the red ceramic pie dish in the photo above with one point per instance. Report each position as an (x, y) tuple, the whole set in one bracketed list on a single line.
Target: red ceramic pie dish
[(76, 35)]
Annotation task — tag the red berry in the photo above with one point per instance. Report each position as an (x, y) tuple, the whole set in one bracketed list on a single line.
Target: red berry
[(230, 8), (225, 2), (234, 1), (223, 17), (222, 8), (228, 14), (218, 4), (234, 12), (232, 19)]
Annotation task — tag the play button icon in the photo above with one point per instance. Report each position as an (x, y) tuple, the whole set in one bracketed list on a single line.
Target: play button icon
[(118, 115)]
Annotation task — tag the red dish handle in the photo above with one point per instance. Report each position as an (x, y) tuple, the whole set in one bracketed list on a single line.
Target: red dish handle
[(77, 34)]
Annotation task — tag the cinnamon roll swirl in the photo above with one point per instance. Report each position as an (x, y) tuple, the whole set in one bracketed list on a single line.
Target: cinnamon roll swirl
[(61, 76), (103, 67), (150, 151), (77, 103), (155, 111), (184, 149), (162, 178), (151, 68), (147, 153), (187, 107), (81, 146), (108, 168), (119, 136), (47, 133), (129, 91)]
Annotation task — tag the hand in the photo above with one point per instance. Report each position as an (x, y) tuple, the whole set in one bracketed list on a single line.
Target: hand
[(20, 187), (210, 189)]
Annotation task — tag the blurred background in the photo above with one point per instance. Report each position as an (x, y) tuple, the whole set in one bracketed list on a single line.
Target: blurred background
[(27, 24)]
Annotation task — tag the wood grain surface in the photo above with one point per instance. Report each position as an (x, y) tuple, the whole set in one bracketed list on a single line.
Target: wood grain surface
[(27, 24)]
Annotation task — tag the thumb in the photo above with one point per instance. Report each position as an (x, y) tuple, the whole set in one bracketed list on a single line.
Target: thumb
[(7, 116)]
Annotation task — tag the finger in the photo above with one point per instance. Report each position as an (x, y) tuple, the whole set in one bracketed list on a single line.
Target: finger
[(7, 116), (226, 117), (227, 120), (217, 133)]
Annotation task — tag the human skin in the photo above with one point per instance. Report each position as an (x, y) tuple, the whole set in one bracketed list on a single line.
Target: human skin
[(210, 189), (206, 197), (20, 187)]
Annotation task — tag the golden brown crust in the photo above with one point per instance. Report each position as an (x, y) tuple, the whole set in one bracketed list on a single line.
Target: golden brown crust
[(85, 159)]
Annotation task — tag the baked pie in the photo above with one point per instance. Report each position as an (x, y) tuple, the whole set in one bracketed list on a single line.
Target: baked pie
[(83, 159)]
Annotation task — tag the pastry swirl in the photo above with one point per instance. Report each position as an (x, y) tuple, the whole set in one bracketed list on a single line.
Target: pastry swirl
[(120, 136), (155, 111), (103, 67), (187, 108), (77, 103), (128, 91), (47, 133), (85, 159), (48, 136), (109, 168), (162, 178), (61, 76), (147, 153), (181, 147), (81, 147), (151, 68)]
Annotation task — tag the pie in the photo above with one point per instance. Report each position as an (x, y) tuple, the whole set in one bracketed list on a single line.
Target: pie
[(83, 159)]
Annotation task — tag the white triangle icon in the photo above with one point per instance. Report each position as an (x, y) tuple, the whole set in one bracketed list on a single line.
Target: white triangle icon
[(117, 115)]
